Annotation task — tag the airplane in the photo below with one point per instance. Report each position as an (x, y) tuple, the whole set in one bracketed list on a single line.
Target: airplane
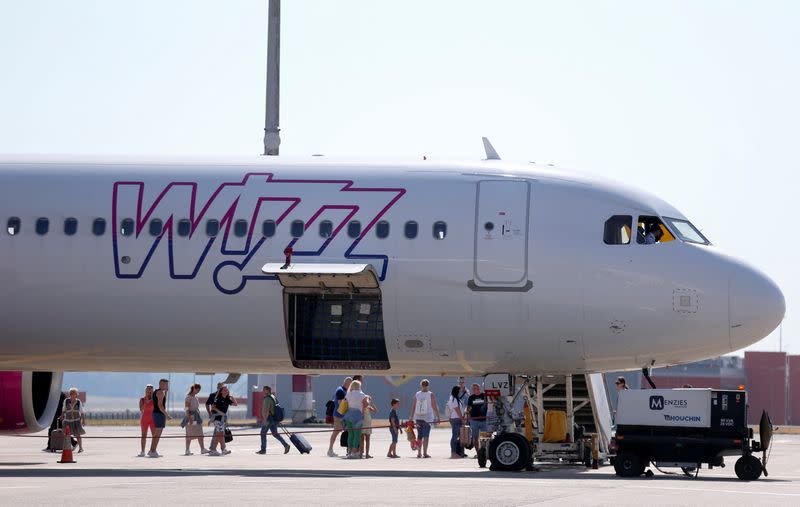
[(323, 266)]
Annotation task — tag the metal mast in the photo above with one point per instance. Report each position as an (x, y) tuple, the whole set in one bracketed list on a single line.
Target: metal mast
[(272, 139)]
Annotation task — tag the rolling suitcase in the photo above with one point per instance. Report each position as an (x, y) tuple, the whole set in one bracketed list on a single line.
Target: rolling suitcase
[(298, 441), (465, 436)]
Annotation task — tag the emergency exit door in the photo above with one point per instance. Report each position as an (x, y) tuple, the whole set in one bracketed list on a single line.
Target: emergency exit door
[(501, 236)]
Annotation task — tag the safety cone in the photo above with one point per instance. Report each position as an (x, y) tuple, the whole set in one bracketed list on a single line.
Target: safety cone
[(66, 449)]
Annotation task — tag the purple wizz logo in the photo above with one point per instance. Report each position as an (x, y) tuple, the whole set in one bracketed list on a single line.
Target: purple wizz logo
[(235, 259)]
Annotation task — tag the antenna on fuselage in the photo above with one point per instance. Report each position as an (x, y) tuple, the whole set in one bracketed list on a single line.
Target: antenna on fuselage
[(491, 153), (272, 138)]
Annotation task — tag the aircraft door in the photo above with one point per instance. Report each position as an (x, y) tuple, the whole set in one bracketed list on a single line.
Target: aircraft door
[(501, 236)]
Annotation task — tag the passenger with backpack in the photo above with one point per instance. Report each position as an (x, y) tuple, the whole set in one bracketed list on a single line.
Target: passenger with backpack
[(337, 414), (271, 415)]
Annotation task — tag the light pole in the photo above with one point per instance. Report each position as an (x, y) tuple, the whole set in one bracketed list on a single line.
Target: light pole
[(272, 139)]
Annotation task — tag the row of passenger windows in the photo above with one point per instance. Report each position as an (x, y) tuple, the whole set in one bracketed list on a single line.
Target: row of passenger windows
[(240, 228)]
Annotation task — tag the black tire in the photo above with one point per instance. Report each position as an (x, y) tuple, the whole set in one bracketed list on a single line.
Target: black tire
[(628, 464), (748, 468), (482, 457), (509, 452)]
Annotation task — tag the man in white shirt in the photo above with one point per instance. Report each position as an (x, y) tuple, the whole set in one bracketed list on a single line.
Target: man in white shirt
[(425, 411)]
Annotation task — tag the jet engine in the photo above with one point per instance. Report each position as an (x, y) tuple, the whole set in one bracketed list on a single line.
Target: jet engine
[(28, 400)]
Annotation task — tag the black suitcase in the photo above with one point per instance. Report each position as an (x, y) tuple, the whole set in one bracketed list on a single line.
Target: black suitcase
[(343, 439), (298, 441)]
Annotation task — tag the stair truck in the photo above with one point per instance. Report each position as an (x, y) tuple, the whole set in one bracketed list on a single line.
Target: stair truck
[(685, 428), (515, 443)]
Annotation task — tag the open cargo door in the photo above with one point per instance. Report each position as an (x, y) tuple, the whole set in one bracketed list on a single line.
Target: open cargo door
[(334, 315)]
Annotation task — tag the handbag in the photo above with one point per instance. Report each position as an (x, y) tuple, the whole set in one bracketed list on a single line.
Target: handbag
[(343, 406), (228, 435)]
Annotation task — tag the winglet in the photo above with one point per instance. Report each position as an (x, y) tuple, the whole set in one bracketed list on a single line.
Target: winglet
[(491, 153)]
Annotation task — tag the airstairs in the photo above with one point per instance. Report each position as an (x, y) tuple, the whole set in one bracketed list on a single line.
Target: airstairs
[(583, 397)]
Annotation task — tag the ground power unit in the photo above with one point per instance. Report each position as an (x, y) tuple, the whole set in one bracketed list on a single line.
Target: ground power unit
[(686, 428)]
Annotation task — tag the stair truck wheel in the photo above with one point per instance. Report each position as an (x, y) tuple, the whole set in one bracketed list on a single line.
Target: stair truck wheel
[(628, 464), (482, 457), (748, 468), (509, 452)]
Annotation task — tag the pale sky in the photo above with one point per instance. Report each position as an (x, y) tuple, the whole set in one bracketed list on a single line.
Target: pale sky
[(696, 101)]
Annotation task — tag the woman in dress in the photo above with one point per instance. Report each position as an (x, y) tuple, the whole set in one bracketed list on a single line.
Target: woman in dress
[(146, 420), (192, 420), (366, 433), (72, 416)]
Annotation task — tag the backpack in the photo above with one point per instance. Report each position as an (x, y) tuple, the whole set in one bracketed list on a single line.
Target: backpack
[(279, 412)]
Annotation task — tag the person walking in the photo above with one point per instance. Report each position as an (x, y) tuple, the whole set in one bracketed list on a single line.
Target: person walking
[(476, 414), (192, 421), (354, 418), (72, 416), (425, 412), (269, 423), (338, 424), (456, 410), (366, 433), (222, 401), (160, 416), (146, 418), (394, 428)]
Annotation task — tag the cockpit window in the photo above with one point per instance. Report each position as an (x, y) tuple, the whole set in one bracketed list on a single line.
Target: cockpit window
[(651, 230), (686, 231), (618, 230)]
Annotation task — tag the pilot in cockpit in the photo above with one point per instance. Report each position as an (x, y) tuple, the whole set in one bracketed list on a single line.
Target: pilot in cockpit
[(653, 235)]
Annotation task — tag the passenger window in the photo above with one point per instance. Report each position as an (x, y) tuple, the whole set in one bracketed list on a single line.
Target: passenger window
[(268, 228), (651, 230), (70, 226), (212, 228), (411, 229), (439, 230), (618, 230), (99, 226), (240, 228), (298, 228), (382, 229), (42, 226), (354, 229), (126, 227), (326, 229), (184, 227), (13, 226), (156, 227)]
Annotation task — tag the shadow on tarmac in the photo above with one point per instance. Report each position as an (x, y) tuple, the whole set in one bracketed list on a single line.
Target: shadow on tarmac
[(550, 474)]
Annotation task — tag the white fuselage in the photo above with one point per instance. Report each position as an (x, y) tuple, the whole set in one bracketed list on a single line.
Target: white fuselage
[(536, 290)]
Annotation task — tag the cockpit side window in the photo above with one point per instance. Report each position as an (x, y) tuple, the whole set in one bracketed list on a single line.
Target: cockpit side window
[(618, 230), (651, 230), (686, 231)]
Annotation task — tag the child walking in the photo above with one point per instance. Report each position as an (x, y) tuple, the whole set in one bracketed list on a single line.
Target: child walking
[(366, 433), (394, 428)]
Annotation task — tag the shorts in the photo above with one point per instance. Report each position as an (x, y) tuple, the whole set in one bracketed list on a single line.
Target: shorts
[(394, 435), (147, 422), (423, 429), (159, 420), (337, 423), (219, 425), (476, 427)]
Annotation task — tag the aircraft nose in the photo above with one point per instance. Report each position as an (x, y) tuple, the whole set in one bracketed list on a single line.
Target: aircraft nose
[(755, 306)]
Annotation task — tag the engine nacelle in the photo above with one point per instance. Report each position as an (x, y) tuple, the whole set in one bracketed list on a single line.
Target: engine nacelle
[(28, 400)]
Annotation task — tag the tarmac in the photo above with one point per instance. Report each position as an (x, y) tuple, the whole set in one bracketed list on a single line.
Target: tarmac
[(108, 472)]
